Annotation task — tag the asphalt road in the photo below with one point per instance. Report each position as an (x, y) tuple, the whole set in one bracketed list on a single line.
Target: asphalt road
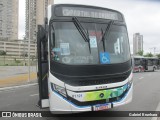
[(146, 97)]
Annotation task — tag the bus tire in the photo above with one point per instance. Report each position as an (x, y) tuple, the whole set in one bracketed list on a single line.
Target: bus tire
[(139, 69), (154, 69)]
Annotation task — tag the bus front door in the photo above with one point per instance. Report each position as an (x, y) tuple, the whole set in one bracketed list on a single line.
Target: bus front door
[(42, 67)]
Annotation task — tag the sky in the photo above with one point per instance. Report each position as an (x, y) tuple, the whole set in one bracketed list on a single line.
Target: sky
[(142, 16)]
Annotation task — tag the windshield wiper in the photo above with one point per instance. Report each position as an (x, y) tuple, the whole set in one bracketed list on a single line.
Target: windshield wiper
[(105, 34), (82, 31)]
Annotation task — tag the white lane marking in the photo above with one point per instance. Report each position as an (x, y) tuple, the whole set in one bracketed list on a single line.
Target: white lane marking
[(157, 109), (15, 87), (34, 95), (141, 78), (9, 90)]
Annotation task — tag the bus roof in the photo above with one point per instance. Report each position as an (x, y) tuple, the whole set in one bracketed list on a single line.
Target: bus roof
[(145, 57)]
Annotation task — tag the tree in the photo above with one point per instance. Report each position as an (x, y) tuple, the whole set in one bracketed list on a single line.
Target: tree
[(140, 53), (24, 55), (32, 57), (17, 61), (3, 53), (158, 55), (148, 55)]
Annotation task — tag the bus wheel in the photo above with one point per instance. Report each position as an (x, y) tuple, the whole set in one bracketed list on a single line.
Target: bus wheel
[(139, 70), (154, 69)]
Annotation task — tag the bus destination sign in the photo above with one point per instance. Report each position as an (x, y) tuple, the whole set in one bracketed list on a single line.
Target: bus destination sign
[(88, 12)]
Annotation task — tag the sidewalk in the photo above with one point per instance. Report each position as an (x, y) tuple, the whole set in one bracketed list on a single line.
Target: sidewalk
[(17, 80)]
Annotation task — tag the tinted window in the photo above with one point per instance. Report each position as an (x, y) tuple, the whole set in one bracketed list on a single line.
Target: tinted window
[(69, 47)]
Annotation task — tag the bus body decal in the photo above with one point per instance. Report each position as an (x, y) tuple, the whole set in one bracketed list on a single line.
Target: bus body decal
[(98, 95)]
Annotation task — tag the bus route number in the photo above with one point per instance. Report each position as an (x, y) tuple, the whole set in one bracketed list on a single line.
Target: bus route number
[(77, 96)]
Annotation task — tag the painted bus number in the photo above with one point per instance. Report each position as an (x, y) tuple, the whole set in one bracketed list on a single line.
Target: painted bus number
[(77, 96)]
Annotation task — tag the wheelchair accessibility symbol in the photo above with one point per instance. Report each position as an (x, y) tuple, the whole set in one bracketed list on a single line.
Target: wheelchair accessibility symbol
[(104, 58)]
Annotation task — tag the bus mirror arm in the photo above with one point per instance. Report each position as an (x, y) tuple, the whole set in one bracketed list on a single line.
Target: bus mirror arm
[(46, 29)]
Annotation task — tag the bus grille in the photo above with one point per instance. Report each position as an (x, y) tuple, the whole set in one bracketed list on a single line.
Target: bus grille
[(97, 80)]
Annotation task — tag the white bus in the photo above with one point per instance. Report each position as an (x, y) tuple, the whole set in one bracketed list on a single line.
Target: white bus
[(141, 64), (84, 61), (150, 63)]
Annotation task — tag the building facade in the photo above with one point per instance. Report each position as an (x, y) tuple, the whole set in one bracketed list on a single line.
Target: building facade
[(9, 19), (17, 48), (137, 43), (36, 11)]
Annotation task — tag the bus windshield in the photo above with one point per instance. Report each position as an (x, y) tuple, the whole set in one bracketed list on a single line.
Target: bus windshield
[(69, 47)]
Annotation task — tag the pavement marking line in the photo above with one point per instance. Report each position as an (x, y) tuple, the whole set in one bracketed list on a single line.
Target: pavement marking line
[(34, 95), (9, 90), (141, 78), (157, 109), (15, 87)]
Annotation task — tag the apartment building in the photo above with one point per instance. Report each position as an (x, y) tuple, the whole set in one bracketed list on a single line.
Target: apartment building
[(137, 43), (9, 19), (17, 47), (36, 11)]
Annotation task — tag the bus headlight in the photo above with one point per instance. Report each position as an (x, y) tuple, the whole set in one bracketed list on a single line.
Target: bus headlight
[(130, 80), (59, 89)]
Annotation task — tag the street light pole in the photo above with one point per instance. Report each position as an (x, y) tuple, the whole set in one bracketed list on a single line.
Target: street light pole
[(29, 38), (154, 50)]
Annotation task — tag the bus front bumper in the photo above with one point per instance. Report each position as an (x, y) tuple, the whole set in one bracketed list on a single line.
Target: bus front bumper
[(64, 106)]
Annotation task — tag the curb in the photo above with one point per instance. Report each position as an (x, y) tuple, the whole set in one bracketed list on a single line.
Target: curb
[(20, 86)]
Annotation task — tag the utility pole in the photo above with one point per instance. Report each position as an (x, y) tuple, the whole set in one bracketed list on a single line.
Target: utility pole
[(29, 38), (154, 49)]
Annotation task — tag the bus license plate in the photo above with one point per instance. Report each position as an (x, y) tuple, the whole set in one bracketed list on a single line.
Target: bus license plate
[(101, 107)]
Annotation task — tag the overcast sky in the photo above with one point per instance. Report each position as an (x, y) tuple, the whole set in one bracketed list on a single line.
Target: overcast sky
[(141, 16)]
